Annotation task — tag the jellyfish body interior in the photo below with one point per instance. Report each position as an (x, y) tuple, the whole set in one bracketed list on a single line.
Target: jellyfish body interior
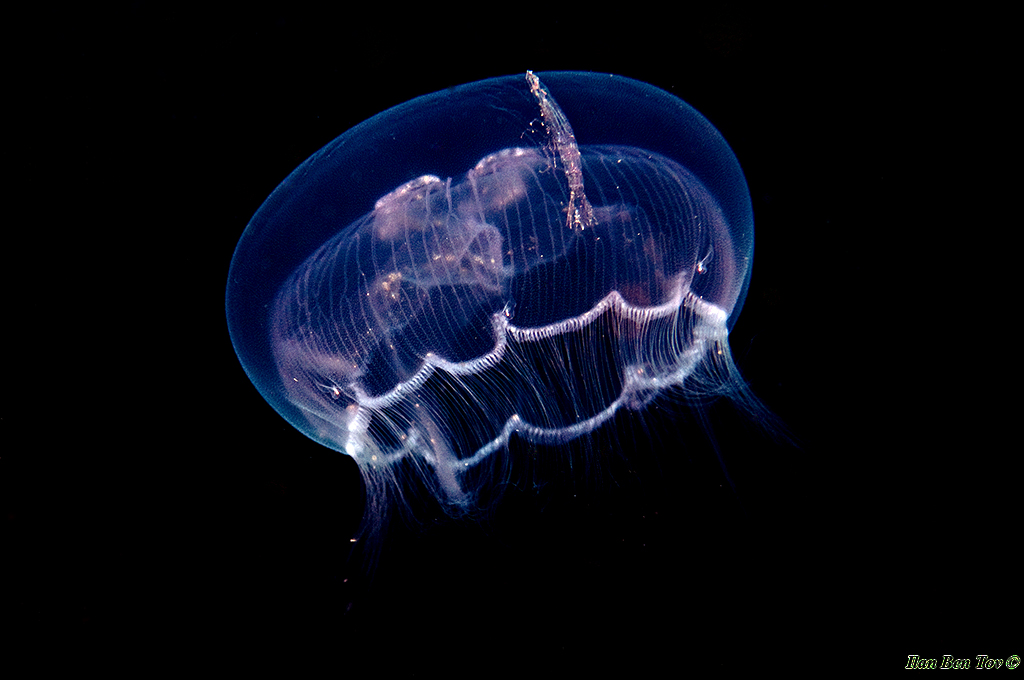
[(519, 257)]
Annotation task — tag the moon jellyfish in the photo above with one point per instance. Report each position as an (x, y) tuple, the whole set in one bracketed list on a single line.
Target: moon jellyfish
[(518, 258)]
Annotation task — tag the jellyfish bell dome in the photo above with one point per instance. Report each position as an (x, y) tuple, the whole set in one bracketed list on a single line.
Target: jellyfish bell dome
[(520, 256)]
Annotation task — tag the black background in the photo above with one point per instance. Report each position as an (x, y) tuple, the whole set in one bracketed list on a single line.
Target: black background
[(157, 508)]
